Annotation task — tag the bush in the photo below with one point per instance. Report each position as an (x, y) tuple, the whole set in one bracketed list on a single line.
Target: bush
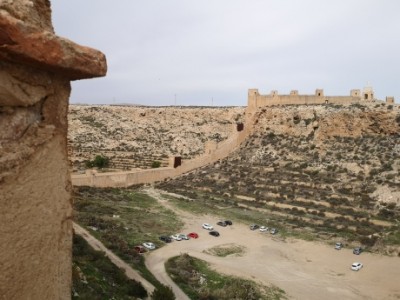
[(156, 164), (163, 293), (99, 161)]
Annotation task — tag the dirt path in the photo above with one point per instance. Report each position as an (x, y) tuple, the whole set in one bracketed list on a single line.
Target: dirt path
[(305, 270), (97, 245)]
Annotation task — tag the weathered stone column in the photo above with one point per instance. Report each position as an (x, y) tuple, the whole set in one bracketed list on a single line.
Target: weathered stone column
[(36, 68)]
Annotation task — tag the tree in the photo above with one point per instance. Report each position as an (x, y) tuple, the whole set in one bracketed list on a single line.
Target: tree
[(163, 293), (156, 164), (100, 161)]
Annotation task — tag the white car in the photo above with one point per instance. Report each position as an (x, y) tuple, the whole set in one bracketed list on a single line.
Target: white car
[(356, 266), (149, 245), (176, 237), (207, 226), (183, 236), (264, 229)]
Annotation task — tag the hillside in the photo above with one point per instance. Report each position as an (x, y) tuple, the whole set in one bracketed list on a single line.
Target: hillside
[(325, 172), (135, 137)]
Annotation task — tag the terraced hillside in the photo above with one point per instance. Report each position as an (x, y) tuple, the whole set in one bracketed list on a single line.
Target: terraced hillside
[(318, 172), (135, 137)]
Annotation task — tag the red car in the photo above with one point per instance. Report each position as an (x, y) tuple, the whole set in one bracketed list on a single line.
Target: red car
[(140, 249), (193, 235)]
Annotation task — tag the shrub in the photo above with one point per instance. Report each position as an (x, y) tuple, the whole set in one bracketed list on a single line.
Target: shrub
[(100, 161), (163, 293), (156, 164)]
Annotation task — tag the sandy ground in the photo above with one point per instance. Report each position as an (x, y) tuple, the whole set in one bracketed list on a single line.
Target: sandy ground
[(305, 270)]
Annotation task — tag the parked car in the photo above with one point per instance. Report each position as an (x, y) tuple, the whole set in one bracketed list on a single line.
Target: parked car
[(183, 236), (356, 266), (176, 237), (273, 231), (214, 233), (207, 226), (193, 235), (264, 229), (140, 249), (254, 226), (222, 223), (228, 222), (338, 246), (357, 250), (149, 245), (165, 239)]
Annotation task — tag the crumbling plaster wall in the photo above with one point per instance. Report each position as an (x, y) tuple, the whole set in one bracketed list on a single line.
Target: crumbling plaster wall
[(36, 68)]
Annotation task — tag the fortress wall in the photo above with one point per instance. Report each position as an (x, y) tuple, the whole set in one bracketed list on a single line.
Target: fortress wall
[(125, 179), (35, 200), (256, 100), (261, 100)]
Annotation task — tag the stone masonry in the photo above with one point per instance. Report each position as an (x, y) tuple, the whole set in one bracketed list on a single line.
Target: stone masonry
[(36, 68), (255, 99)]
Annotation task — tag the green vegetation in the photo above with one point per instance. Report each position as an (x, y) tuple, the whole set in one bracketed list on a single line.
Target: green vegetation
[(163, 293), (100, 161), (122, 219), (94, 276), (198, 281), (155, 164)]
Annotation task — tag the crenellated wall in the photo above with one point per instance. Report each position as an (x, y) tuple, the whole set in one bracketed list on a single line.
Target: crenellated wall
[(36, 68), (255, 99)]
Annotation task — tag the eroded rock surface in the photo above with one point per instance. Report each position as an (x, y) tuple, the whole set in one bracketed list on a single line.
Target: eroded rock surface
[(36, 67)]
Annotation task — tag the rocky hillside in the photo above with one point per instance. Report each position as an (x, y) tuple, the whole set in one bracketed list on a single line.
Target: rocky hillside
[(328, 172), (137, 136)]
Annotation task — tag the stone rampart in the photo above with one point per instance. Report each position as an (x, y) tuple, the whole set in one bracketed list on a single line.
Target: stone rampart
[(36, 68), (256, 100), (125, 179)]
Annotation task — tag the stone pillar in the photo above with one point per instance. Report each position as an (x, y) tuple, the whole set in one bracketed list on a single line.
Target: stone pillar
[(36, 68)]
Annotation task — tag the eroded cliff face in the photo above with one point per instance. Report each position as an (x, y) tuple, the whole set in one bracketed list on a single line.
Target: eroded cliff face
[(35, 202), (323, 122)]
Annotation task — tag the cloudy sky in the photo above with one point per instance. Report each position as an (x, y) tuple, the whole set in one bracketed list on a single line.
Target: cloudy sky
[(204, 52)]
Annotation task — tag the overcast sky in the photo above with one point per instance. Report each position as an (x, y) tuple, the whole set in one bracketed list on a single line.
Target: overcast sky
[(162, 52)]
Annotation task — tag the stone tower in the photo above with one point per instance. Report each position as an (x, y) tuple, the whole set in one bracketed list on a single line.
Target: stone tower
[(36, 68)]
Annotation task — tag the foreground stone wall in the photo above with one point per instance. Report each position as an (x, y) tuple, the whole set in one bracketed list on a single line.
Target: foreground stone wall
[(35, 203)]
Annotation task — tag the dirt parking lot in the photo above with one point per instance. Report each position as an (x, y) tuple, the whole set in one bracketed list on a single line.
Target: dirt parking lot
[(305, 270)]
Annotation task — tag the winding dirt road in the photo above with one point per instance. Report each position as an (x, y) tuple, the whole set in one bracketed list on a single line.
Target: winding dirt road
[(305, 270)]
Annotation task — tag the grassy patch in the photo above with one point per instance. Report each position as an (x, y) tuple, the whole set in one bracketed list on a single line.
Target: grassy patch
[(94, 276), (226, 250), (122, 219), (198, 281)]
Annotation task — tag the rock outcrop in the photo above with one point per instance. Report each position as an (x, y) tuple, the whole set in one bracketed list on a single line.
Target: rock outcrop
[(36, 67)]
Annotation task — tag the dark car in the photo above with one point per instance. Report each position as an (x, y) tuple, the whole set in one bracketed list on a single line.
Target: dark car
[(254, 226), (165, 239), (214, 233), (228, 222), (222, 223), (357, 250)]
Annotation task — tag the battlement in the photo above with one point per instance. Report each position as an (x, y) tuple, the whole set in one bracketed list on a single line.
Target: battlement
[(255, 99)]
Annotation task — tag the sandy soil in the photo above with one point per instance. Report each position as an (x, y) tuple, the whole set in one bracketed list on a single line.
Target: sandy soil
[(305, 270)]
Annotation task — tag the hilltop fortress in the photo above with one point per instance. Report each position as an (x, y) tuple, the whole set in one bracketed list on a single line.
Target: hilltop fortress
[(255, 99)]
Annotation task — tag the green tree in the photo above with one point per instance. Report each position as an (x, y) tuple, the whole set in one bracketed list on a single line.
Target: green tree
[(163, 293), (100, 161), (156, 164)]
